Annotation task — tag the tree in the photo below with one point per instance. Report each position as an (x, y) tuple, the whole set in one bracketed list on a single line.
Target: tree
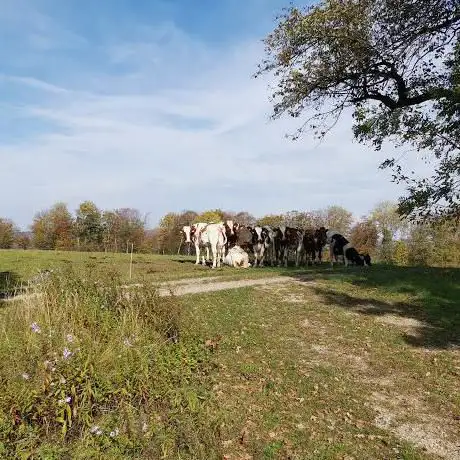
[(446, 244), (389, 223), (89, 228), (245, 218), (271, 220), (337, 218), (299, 219), (212, 215), (420, 245), (7, 233), (22, 240), (396, 65), (169, 236), (110, 230), (53, 228), (364, 237), (130, 227)]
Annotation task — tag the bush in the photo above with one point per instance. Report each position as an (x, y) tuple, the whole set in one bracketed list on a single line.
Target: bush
[(400, 253), (87, 367)]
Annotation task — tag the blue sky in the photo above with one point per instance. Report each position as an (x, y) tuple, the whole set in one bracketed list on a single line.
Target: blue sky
[(151, 105)]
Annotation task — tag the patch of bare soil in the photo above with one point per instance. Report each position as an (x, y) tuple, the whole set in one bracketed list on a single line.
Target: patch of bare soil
[(405, 323), (197, 288), (408, 419)]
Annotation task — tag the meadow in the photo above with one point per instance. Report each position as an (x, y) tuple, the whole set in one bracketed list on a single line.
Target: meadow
[(327, 364)]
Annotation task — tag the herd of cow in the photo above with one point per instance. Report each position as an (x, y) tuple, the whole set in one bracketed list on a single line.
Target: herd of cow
[(230, 244)]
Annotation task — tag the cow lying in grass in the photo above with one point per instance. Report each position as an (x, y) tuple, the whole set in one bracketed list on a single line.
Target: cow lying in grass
[(237, 257)]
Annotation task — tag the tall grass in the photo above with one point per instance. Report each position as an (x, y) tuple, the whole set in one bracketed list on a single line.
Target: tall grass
[(87, 367)]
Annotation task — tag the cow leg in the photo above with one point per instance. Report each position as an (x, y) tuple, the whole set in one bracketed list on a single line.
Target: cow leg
[(214, 256), (331, 253), (262, 255), (197, 251), (255, 257), (286, 253), (298, 256)]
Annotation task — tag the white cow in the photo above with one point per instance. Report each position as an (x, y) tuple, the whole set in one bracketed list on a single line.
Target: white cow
[(214, 236), (237, 257), (210, 236)]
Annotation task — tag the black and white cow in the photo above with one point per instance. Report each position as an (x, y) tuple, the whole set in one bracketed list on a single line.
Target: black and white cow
[(260, 238), (320, 241), (288, 239), (340, 246), (270, 245), (309, 245)]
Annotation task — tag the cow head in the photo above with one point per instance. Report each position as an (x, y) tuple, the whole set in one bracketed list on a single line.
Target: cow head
[(366, 259), (187, 230), (281, 233), (230, 227), (268, 235), (257, 235), (321, 236)]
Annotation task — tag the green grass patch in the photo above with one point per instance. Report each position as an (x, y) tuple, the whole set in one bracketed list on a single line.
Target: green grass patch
[(86, 369)]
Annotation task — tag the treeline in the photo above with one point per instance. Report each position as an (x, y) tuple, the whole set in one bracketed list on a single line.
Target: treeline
[(382, 233)]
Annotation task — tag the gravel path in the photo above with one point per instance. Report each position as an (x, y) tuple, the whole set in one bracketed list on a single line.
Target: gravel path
[(199, 285), (197, 288)]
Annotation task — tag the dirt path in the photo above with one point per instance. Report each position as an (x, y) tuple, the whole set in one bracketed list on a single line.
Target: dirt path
[(186, 286), (198, 288)]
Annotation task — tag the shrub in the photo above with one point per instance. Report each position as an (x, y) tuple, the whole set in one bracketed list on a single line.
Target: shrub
[(87, 366)]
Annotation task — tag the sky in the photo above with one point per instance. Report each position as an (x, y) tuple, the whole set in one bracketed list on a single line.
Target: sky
[(152, 105)]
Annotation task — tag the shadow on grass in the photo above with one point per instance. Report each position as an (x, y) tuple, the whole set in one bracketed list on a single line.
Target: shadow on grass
[(10, 283), (435, 294)]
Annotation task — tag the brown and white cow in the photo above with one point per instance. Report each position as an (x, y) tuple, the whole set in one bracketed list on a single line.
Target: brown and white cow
[(192, 235)]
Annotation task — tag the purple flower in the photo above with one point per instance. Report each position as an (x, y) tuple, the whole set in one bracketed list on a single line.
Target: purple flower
[(65, 400), (66, 353), (35, 328)]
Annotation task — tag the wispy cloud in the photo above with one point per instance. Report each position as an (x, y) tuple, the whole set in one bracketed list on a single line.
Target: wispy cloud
[(167, 121)]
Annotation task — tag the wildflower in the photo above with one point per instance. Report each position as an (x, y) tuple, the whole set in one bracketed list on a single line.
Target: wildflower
[(67, 400), (96, 430), (145, 427), (114, 433), (35, 328), (69, 338), (66, 353), (127, 343), (26, 376)]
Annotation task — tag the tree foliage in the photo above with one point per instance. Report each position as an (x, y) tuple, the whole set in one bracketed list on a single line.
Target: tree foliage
[(89, 228), (7, 233), (364, 236), (53, 228), (396, 65)]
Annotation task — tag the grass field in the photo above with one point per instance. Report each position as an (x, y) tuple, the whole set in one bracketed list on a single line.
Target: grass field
[(340, 364), (23, 265)]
